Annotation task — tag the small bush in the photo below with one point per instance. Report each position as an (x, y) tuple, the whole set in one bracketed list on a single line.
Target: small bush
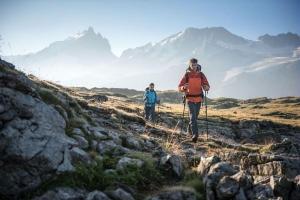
[(192, 179), (48, 97), (146, 175)]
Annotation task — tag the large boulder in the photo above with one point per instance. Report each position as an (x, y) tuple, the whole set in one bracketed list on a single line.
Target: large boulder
[(32, 133), (214, 175)]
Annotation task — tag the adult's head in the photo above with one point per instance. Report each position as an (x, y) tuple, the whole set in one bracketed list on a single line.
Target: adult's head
[(151, 86), (193, 63)]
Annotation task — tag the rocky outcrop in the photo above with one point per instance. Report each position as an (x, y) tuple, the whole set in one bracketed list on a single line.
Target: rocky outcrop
[(270, 164), (33, 144), (224, 181)]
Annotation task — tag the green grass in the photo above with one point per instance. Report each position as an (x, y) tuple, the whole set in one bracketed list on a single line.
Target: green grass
[(49, 98), (192, 179), (93, 177)]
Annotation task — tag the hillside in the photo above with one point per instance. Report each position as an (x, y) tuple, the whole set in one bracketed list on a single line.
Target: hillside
[(74, 143)]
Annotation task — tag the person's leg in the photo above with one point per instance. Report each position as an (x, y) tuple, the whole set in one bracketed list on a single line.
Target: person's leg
[(147, 112), (152, 113), (193, 118)]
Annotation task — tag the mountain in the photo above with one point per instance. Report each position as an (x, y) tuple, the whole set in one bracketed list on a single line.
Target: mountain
[(87, 60), (82, 55), (219, 52), (272, 77)]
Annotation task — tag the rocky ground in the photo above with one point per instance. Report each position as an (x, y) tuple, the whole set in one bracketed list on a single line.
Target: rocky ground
[(73, 143)]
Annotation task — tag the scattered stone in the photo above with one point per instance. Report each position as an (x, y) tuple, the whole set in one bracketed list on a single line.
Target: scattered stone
[(63, 193), (174, 162), (227, 188), (79, 155), (125, 162), (120, 194), (97, 195), (82, 142)]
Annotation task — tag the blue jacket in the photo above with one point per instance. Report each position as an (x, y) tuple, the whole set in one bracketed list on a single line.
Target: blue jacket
[(150, 98)]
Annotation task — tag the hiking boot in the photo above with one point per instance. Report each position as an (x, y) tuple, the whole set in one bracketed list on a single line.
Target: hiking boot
[(189, 130), (194, 138)]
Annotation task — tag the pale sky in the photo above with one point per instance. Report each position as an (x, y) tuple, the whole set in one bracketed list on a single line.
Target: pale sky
[(31, 25)]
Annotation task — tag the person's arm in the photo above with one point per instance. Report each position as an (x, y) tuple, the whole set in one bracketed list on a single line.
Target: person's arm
[(157, 99), (145, 96), (204, 82), (182, 84)]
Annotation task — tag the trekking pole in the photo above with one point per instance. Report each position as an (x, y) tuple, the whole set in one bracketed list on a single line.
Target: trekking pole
[(206, 115), (184, 102), (157, 119)]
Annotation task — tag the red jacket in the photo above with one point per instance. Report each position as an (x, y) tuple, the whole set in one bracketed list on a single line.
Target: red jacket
[(196, 81)]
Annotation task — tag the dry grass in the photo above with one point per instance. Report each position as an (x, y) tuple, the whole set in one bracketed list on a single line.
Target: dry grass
[(248, 111)]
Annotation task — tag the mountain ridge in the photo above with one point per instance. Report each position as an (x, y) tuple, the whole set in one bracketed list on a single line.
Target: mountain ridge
[(88, 60)]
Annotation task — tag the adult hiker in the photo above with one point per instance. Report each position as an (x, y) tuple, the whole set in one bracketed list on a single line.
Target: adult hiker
[(150, 99), (192, 84)]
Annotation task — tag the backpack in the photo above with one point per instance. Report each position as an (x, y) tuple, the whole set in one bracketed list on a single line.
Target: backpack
[(199, 67), (147, 99)]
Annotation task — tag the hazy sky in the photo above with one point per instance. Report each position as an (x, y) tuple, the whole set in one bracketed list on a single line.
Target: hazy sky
[(30, 25)]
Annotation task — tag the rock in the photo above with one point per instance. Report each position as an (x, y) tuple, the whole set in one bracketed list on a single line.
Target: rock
[(260, 191), (285, 147), (131, 143), (240, 195), (174, 162), (63, 193), (205, 164), (94, 145), (2, 108), (244, 179), (82, 142), (175, 193), (97, 195), (125, 162), (39, 138), (115, 137), (66, 165), (218, 170), (268, 164), (98, 132), (79, 155), (109, 147), (215, 173), (295, 193), (227, 188), (77, 131), (120, 194), (281, 186)]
